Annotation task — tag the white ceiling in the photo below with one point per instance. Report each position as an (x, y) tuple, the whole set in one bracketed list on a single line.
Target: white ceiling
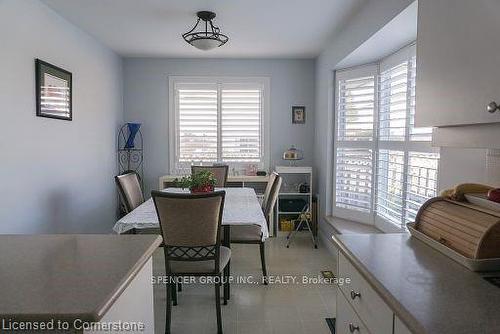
[(400, 31), (256, 28)]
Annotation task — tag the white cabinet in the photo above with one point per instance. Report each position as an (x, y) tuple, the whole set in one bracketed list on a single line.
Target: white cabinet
[(360, 309), (347, 321), (370, 307), (399, 327), (134, 307), (458, 62)]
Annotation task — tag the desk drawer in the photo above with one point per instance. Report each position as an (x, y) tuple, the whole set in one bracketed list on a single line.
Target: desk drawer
[(370, 307), (347, 321)]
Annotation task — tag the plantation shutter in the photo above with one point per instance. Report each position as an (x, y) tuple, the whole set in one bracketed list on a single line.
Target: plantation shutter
[(390, 185), (241, 123), (197, 123), (354, 178), (356, 108), (406, 163), (421, 179), (354, 142), (393, 98), (416, 134)]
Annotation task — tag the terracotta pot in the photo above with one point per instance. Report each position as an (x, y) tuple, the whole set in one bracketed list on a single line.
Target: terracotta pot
[(204, 189)]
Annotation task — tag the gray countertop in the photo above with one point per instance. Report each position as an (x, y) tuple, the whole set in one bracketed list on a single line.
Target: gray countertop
[(68, 277), (428, 291)]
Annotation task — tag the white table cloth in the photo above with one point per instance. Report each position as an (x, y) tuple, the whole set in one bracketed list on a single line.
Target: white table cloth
[(241, 207)]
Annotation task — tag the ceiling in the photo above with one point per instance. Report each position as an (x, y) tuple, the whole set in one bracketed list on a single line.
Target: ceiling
[(256, 28), (400, 31)]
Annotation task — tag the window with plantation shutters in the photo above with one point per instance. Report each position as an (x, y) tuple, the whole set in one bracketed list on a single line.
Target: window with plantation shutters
[(218, 120), (400, 168)]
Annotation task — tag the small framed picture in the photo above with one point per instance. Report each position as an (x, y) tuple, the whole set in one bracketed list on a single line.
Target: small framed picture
[(53, 91), (298, 115)]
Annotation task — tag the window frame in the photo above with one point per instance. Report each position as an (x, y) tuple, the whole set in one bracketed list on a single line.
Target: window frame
[(377, 144), (264, 83)]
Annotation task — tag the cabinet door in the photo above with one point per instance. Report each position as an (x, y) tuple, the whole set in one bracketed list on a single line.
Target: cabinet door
[(347, 321), (458, 62), (399, 327)]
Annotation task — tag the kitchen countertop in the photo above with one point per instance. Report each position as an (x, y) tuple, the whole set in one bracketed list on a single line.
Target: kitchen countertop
[(428, 291), (68, 277)]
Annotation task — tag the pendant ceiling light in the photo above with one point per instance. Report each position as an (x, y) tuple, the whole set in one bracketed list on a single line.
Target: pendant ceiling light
[(205, 36)]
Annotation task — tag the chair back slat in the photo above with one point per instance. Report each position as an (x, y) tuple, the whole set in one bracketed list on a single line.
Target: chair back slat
[(273, 197), (267, 192), (129, 187), (220, 172)]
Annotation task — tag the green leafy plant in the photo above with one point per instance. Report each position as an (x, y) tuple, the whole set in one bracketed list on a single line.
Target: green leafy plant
[(203, 181)]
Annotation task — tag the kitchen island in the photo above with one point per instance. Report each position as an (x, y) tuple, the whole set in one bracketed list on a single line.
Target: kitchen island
[(77, 283), (401, 285)]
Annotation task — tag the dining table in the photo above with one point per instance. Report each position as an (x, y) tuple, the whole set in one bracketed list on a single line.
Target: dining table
[(241, 208)]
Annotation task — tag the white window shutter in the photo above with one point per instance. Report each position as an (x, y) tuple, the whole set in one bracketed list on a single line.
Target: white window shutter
[(197, 125), (355, 105), (393, 99), (416, 134), (241, 125), (390, 185), (354, 179), (421, 180)]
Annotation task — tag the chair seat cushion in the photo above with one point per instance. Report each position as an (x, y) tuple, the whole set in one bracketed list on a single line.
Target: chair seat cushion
[(246, 233), (200, 267)]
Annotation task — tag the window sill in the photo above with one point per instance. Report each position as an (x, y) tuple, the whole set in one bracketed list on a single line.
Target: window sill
[(345, 226)]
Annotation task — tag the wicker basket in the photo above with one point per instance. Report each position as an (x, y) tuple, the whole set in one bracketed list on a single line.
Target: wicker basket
[(468, 229)]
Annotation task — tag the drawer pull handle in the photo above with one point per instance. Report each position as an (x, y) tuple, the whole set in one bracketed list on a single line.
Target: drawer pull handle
[(492, 107), (353, 328), (355, 294)]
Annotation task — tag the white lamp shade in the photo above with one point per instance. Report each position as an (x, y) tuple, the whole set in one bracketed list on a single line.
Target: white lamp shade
[(205, 43)]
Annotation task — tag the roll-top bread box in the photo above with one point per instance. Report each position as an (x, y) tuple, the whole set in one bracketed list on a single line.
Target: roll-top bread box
[(468, 233)]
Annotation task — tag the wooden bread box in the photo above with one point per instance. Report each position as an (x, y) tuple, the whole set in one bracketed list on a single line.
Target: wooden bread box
[(468, 229)]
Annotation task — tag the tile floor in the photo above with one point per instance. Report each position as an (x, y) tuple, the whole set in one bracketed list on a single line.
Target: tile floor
[(254, 309)]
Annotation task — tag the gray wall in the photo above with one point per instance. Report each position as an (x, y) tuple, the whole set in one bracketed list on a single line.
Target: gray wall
[(56, 176), (146, 101)]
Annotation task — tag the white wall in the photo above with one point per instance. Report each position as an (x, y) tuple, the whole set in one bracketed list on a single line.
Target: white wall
[(146, 101), (56, 176)]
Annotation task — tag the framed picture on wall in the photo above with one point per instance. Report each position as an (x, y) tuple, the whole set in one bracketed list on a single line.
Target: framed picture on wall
[(53, 91), (298, 115)]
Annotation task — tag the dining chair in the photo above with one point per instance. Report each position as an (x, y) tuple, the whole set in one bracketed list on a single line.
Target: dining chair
[(129, 187), (253, 234), (219, 171), (190, 225), (267, 191)]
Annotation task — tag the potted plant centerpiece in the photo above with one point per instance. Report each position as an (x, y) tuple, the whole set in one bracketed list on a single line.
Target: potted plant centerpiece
[(201, 182)]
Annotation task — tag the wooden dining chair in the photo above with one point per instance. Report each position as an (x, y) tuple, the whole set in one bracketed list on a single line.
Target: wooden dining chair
[(129, 187), (220, 172), (253, 234), (190, 225)]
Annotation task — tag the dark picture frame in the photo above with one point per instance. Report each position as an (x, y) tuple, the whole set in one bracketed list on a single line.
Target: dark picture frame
[(54, 91), (298, 115)]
